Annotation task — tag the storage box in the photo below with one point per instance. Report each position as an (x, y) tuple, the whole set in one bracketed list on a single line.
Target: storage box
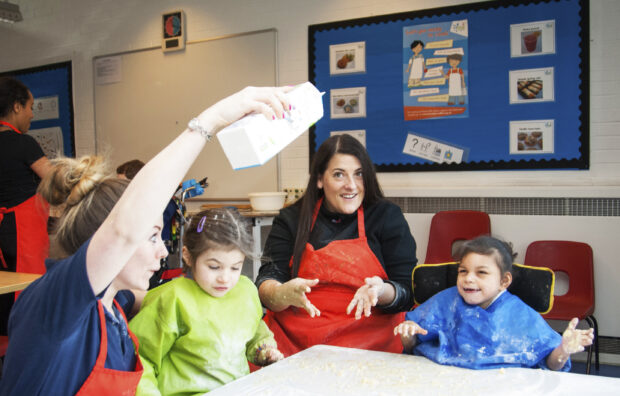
[(254, 140)]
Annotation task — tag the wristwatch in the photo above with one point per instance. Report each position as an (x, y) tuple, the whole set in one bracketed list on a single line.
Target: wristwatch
[(194, 125)]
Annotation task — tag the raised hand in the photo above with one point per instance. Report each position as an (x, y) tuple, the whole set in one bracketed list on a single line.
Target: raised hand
[(271, 102), (366, 297), (575, 340), (293, 293)]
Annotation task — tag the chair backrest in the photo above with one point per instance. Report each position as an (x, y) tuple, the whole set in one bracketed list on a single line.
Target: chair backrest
[(450, 226), (533, 285), (573, 258)]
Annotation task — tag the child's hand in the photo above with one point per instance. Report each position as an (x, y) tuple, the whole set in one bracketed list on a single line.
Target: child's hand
[(574, 340), (408, 331), (267, 354), (294, 292), (366, 297)]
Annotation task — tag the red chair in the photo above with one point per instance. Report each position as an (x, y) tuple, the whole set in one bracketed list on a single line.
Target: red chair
[(575, 260), (451, 226)]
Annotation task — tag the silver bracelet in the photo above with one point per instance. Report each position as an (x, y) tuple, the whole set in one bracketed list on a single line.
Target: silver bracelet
[(194, 125)]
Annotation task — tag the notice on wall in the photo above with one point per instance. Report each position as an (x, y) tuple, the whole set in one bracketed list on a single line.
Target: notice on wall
[(45, 108), (433, 150), (108, 70)]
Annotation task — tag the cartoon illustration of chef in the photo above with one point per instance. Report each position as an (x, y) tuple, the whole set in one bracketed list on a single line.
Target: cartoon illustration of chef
[(456, 80), (416, 64)]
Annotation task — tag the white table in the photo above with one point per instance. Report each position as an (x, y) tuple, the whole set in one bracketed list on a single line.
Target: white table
[(328, 370)]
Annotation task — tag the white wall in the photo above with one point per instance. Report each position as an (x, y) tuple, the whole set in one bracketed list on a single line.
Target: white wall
[(78, 30)]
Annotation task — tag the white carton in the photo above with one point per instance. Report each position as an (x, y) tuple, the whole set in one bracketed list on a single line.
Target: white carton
[(253, 140)]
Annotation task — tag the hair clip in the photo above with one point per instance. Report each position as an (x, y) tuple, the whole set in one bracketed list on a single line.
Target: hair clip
[(201, 224)]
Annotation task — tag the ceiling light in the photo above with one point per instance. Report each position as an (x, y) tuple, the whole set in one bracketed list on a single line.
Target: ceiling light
[(9, 12)]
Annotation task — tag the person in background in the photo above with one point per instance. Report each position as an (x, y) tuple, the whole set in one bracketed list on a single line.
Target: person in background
[(216, 312), (67, 330), (128, 170), (338, 262), (24, 241), (478, 324)]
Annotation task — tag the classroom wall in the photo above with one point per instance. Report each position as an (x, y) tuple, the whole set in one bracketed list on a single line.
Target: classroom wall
[(79, 30)]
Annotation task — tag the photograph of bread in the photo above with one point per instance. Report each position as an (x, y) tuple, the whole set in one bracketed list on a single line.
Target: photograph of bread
[(530, 89)]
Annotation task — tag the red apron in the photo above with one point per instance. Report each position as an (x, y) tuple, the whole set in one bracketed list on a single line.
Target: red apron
[(32, 239), (341, 267), (104, 381), (31, 229)]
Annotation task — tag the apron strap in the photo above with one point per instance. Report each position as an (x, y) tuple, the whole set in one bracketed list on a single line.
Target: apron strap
[(2, 212), (103, 345), (10, 126), (103, 348), (132, 335), (315, 214)]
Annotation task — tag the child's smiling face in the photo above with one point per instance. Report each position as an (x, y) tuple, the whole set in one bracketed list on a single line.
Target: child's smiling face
[(480, 280)]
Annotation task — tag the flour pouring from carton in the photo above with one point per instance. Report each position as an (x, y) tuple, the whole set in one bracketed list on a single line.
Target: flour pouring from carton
[(254, 140)]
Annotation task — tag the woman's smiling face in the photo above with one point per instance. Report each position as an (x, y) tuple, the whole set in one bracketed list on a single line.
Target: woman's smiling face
[(343, 184)]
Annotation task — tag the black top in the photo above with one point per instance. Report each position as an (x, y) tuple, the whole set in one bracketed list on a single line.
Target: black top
[(18, 182), (387, 233)]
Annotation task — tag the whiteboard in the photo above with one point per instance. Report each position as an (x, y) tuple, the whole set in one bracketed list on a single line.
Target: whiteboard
[(153, 95)]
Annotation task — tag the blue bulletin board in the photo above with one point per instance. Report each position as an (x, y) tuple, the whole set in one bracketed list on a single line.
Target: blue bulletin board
[(482, 86), (52, 125)]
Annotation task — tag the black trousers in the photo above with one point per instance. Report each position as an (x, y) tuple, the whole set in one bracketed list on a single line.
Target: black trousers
[(8, 244)]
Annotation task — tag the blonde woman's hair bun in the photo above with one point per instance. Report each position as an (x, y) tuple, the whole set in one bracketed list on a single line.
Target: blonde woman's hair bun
[(71, 179)]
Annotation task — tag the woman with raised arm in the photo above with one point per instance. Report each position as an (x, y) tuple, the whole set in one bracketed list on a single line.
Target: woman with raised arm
[(68, 331)]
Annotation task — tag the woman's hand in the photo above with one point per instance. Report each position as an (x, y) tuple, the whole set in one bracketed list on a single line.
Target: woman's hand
[(574, 340), (279, 296), (408, 331), (267, 354), (367, 297), (271, 102)]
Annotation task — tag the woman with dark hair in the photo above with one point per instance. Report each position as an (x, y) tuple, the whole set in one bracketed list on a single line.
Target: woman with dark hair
[(345, 245), (24, 241)]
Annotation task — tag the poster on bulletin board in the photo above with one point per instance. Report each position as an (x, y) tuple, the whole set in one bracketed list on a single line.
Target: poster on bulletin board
[(482, 86)]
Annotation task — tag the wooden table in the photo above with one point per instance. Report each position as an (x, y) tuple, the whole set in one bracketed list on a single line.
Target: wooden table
[(14, 281), (328, 370)]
